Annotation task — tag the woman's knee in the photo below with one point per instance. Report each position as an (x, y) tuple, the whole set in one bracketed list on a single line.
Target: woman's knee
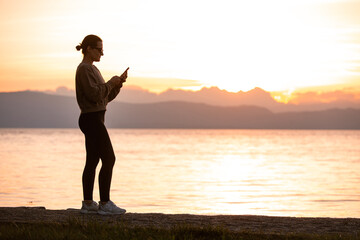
[(90, 167), (109, 161)]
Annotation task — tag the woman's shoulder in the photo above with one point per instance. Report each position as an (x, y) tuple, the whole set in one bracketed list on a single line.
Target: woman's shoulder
[(85, 67)]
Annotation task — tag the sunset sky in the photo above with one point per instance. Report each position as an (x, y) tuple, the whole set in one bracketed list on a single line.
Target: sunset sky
[(279, 45)]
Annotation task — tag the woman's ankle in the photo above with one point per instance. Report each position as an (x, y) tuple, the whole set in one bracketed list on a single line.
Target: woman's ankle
[(88, 202)]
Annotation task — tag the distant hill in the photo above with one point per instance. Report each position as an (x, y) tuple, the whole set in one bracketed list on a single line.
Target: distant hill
[(39, 110), (308, 101)]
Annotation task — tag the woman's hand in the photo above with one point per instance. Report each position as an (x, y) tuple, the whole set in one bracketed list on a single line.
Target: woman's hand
[(120, 79), (117, 80)]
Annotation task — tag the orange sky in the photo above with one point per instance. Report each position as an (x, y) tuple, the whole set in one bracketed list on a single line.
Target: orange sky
[(281, 46)]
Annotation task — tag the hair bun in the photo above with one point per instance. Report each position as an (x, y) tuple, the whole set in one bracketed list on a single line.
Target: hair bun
[(78, 47)]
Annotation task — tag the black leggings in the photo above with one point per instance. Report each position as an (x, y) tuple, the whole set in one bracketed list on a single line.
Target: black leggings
[(98, 146)]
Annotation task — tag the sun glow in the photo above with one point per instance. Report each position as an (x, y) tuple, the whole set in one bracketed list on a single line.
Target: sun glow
[(234, 45), (273, 49)]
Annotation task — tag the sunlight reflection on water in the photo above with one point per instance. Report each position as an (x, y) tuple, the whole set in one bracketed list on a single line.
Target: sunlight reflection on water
[(262, 172)]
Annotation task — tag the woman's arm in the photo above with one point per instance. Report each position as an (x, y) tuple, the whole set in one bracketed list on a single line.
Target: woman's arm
[(92, 89), (115, 91)]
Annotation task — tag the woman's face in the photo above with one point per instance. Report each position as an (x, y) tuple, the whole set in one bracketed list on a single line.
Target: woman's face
[(96, 52)]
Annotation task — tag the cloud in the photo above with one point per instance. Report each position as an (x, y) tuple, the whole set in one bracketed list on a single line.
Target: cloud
[(162, 84), (311, 97), (62, 90), (341, 12)]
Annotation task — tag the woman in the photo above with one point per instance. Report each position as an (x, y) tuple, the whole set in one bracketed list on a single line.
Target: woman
[(93, 94)]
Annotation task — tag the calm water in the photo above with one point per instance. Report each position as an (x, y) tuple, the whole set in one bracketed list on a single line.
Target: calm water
[(261, 172)]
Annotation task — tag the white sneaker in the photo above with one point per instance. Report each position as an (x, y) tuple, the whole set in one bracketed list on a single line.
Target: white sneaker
[(110, 208), (92, 208)]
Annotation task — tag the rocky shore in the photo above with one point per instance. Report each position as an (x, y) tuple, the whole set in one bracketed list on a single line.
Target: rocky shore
[(236, 223)]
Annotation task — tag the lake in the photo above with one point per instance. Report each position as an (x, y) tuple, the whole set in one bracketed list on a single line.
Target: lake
[(304, 173)]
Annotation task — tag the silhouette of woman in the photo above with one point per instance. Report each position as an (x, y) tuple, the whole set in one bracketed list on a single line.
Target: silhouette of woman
[(93, 94)]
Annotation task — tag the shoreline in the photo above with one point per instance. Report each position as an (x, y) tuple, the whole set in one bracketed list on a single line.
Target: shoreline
[(234, 223)]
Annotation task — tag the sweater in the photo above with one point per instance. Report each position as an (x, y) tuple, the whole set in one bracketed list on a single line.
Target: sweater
[(92, 92)]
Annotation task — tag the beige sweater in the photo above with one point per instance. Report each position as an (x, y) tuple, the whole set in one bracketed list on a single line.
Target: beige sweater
[(92, 93)]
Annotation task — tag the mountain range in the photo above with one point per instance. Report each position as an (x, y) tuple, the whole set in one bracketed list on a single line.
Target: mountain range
[(29, 109), (309, 101)]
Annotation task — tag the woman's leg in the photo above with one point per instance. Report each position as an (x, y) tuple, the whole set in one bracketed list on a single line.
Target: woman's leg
[(98, 146), (107, 156), (92, 160), (87, 123)]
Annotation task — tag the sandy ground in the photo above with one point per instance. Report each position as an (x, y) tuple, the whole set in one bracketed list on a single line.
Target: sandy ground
[(264, 224)]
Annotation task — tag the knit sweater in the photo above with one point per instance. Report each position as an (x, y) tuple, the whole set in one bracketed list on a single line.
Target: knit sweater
[(92, 93)]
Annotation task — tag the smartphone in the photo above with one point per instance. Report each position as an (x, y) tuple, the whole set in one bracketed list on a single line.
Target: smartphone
[(124, 73)]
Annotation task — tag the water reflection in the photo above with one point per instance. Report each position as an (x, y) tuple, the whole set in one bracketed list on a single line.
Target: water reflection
[(262, 172)]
